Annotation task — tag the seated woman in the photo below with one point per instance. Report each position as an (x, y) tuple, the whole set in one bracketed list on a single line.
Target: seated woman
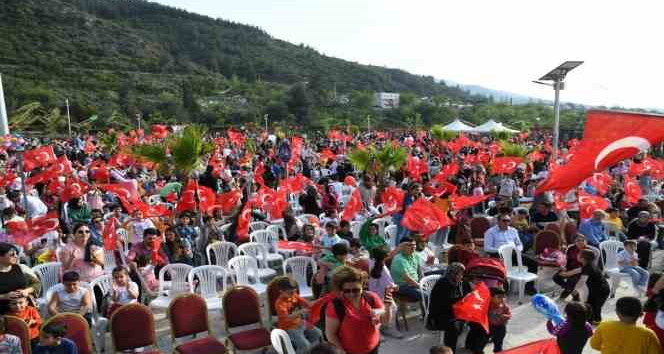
[(82, 255), (16, 280), (369, 236), (644, 232)]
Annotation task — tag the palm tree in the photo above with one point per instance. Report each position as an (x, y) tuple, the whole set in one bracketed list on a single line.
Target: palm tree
[(379, 162), (441, 134), (511, 149), (182, 153)]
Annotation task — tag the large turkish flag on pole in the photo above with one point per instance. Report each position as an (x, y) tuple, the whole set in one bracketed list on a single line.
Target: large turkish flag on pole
[(608, 138), (544, 346)]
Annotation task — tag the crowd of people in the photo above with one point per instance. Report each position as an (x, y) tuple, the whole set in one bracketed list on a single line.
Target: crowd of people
[(369, 234)]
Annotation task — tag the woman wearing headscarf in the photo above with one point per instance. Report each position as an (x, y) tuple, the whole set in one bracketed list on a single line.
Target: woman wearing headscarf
[(447, 291)]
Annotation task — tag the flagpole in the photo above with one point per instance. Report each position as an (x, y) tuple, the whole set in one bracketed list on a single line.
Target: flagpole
[(4, 126), (68, 117), (20, 150)]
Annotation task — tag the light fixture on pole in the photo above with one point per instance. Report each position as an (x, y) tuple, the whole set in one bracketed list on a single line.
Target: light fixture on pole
[(557, 75), (4, 125)]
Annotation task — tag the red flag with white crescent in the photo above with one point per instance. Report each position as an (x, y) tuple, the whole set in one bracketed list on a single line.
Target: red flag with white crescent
[(608, 138), (392, 199), (109, 236), (74, 188), (632, 190), (588, 203), (34, 228), (505, 165), (39, 157), (424, 217), (243, 221), (353, 206), (601, 181), (474, 307)]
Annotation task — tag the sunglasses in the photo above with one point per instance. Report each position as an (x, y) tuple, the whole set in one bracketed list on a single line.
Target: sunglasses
[(83, 231), (505, 220), (352, 291), (11, 254)]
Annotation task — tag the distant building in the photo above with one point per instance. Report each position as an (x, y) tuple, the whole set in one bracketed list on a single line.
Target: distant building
[(386, 100)]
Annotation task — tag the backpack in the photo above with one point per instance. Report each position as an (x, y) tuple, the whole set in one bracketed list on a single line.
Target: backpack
[(340, 310)]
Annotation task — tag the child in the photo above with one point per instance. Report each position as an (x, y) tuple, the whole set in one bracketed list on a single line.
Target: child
[(624, 336), (20, 308), (71, 298), (146, 271), (440, 349), (573, 333), (290, 307), (380, 282), (628, 261), (499, 314), (123, 291), (330, 262), (330, 238), (598, 286), (52, 340), (9, 343), (345, 231)]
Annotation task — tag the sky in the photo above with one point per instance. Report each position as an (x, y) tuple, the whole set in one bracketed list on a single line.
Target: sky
[(501, 45)]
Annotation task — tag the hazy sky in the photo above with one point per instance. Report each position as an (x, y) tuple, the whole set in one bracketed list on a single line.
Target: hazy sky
[(497, 44)]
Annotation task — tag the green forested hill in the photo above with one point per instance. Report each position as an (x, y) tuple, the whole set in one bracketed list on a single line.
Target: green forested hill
[(121, 58)]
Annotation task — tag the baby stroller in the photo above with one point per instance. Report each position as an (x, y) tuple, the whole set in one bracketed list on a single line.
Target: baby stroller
[(489, 270)]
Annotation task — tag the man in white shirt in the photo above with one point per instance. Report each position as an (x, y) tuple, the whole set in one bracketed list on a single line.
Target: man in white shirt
[(35, 206), (500, 235)]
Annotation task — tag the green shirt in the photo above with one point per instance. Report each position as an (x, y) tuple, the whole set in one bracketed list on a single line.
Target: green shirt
[(402, 264), (81, 215), (370, 242), (331, 259), (172, 187)]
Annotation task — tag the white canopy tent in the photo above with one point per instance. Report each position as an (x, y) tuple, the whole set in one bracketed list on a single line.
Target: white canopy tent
[(492, 125), (458, 126)]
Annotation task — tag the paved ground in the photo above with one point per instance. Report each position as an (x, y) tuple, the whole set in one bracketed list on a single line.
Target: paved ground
[(526, 325)]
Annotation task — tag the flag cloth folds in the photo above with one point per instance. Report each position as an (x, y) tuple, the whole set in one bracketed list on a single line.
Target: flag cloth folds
[(39, 157), (505, 165), (544, 346), (474, 307), (392, 198), (632, 190), (109, 236), (353, 206), (589, 203), (424, 217), (608, 138)]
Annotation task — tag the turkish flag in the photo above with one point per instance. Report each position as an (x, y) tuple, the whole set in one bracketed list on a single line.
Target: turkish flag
[(474, 307), (120, 160), (632, 190), (392, 199), (559, 202), (228, 201), (353, 206), (25, 232), (109, 235), (74, 188), (99, 172), (236, 138), (608, 138), (55, 187), (7, 179), (334, 135), (650, 165), (544, 346), (41, 156), (416, 167), (505, 165), (125, 191), (601, 182), (62, 166), (424, 217), (159, 131), (296, 183), (258, 174), (460, 202), (327, 155), (273, 202), (155, 255), (446, 172), (440, 188), (536, 156), (187, 200), (152, 211), (589, 203), (242, 229)]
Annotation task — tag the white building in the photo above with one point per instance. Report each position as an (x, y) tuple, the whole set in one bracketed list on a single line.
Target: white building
[(386, 100)]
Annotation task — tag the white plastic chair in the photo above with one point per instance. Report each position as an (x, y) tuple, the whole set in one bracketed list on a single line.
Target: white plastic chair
[(609, 252), (59, 286), (259, 252), (257, 225), (382, 224), (178, 284), (391, 236), (154, 199), (241, 267), (279, 231), (306, 218), (324, 172), (208, 277), (124, 236), (99, 320), (269, 240), (516, 274), (355, 227), (426, 285), (49, 276), (299, 266), (281, 342), (222, 251), (109, 261)]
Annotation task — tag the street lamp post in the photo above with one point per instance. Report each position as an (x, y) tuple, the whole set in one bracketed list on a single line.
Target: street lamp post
[(557, 75), (68, 117), (20, 150)]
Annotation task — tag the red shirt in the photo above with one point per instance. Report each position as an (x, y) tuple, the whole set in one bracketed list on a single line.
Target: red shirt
[(29, 313), (357, 333)]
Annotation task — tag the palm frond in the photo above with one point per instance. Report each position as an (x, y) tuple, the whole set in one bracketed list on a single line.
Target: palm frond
[(500, 135), (189, 148), (510, 149), (390, 158), (441, 134), (360, 159)]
